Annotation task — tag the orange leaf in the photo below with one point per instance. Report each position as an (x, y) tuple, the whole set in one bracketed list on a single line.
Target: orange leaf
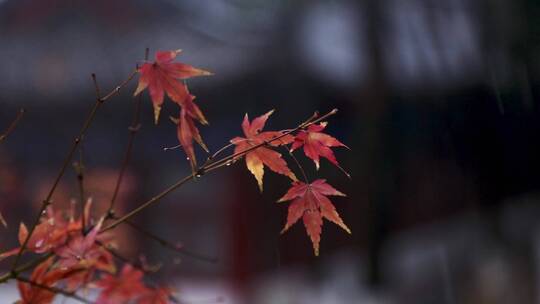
[(256, 159)]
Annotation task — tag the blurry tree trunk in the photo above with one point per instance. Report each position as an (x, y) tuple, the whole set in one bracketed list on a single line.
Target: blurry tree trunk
[(379, 168)]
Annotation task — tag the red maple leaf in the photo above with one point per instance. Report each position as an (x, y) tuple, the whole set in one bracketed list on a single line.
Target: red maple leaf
[(165, 76), (256, 159), (46, 275), (187, 131), (126, 287), (317, 143), (51, 232), (82, 252), (48, 234), (311, 204)]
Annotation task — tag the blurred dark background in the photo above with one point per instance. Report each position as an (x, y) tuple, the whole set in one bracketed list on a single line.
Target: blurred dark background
[(438, 101)]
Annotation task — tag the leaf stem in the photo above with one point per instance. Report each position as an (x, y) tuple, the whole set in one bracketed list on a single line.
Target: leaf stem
[(304, 175)]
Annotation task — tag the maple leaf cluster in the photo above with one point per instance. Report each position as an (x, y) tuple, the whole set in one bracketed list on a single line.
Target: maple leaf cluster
[(165, 76), (77, 253), (310, 201), (80, 259)]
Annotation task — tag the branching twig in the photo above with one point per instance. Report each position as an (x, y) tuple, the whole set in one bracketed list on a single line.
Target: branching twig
[(170, 245), (135, 126), (133, 129), (47, 201), (12, 125), (211, 164), (213, 156), (211, 167)]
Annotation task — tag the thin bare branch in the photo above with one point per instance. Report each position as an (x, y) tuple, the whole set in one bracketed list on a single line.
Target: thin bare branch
[(171, 246), (133, 129), (213, 156), (90, 118), (12, 125), (148, 203), (79, 170)]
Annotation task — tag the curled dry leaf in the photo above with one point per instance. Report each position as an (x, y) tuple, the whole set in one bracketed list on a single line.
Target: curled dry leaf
[(310, 202), (256, 159)]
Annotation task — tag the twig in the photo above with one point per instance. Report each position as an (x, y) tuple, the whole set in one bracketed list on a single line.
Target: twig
[(55, 290), (14, 273), (170, 245), (79, 169), (147, 203), (135, 126), (12, 125), (213, 156), (211, 167), (304, 175), (47, 201)]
